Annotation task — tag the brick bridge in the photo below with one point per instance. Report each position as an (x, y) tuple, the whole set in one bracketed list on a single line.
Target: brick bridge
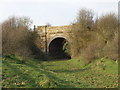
[(54, 38)]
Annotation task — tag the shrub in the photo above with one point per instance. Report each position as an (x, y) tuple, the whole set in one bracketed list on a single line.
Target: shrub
[(81, 31), (111, 49), (92, 52), (18, 39), (93, 39)]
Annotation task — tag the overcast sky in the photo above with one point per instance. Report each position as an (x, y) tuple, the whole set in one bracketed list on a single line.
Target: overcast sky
[(56, 12)]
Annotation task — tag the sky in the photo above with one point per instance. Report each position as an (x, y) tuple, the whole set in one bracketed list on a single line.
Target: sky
[(55, 12)]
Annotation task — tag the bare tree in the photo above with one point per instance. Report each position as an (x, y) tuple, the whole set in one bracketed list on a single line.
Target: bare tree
[(96, 38), (81, 31), (85, 19), (15, 36), (107, 26)]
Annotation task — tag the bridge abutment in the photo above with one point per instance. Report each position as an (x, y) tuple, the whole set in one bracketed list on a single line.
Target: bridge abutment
[(52, 35)]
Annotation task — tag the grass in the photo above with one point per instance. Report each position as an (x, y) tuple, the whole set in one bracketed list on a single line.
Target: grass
[(32, 73)]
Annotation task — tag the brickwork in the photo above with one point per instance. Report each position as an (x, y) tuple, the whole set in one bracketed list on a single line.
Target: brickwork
[(52, 32)]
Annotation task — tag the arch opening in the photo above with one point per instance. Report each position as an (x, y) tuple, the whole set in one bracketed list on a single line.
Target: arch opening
[(58, 48)]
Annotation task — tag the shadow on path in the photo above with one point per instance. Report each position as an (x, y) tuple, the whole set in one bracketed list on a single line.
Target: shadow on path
[(21, 74)]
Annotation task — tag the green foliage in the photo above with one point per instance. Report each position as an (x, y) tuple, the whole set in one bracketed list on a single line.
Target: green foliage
[(58, 74)]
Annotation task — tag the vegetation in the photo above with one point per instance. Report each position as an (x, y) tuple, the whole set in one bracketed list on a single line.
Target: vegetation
[(19, 39), (94, 52), (34, 73), (94, 38)]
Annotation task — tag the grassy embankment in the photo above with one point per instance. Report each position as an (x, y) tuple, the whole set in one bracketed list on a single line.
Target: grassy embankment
[(33, 73)]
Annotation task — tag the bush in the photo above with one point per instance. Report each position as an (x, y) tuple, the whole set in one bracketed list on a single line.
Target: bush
[(81, 31), (111, 49), (18, 39), (97, 38), (93, 51), (15, 35), (107, 26)]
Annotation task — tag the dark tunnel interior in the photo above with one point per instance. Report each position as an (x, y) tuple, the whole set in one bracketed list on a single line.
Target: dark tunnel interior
[(56, 50)]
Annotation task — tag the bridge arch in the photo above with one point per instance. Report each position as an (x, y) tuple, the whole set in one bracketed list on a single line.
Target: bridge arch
[(56, 47)]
